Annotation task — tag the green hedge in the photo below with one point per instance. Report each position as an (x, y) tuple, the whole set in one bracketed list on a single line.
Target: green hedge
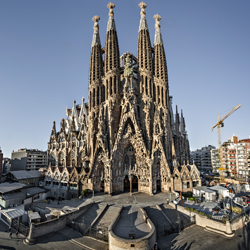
[(198, 212), (84, 192)]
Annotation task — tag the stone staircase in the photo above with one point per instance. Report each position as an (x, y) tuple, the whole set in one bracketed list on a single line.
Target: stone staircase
[(107, 216), (162, 225), (177, 219), (99, 228), (85, 220)]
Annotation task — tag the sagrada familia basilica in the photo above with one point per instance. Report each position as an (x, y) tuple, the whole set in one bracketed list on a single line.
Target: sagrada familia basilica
[(126, 138)]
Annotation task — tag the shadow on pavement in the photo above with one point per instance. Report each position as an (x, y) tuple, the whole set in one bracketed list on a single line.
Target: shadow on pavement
[(245, 245)]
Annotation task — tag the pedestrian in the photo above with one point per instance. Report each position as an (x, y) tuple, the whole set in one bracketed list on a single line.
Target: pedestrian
[(156, 247), (17, 233), (9, 228), (10, 234)]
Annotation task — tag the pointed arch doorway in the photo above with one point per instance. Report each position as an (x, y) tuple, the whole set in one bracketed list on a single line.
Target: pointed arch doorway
[(158, 185), (126, 184), (134, 184)]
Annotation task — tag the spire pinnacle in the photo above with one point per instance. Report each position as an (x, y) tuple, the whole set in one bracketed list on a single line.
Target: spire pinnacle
[(111, 21), (158, 38), (143, 21), (96, 37), (143, 6)]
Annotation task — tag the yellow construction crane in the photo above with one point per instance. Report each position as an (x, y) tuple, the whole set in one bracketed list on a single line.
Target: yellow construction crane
[(219, 124)]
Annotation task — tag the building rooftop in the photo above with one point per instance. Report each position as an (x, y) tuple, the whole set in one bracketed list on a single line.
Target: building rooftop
[(24, 174), (7, 187), (34, 216), (218, 188), (205, 189), (35, 190), (12, 213), (12, 196)]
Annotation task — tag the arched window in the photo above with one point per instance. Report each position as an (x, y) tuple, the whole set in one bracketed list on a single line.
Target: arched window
[(166, 98), (126, 162), (133, 160), (142, 85), (162, 96), (61, 159), (115, 84), (129, 158), (154, 92), (72, 156), (53, 159), (98, 94), (150, 87), (146, 85), (158, 94), (103, 93), (107, 88), (111, 86), (93, 98)]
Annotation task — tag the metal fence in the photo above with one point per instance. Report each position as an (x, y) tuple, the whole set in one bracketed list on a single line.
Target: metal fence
[(20, 227), (164, 230), (76, 226), (98, 233)]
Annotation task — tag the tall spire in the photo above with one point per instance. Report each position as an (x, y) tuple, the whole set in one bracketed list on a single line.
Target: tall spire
[(112, 54), (96, 37), (144, 49), (160, 64), (96, 64), (143, 21), (111, 21)]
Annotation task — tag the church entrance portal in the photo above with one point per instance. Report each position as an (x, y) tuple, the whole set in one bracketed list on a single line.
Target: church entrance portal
[(135, 184), (102, 186), (126, 184), (158, 184)]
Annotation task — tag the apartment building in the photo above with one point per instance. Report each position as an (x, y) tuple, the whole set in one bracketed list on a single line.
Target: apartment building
[(202, 157), (215, 159), (28, 159), (235, 157)]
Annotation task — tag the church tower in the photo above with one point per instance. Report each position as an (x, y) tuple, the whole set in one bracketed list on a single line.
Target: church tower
[(145, 67), (112, 77), (96, 87)]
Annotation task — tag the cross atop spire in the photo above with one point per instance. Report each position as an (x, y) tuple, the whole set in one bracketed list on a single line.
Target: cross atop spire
[(158, 38), (143, 21), (96, 37), (111, 21)]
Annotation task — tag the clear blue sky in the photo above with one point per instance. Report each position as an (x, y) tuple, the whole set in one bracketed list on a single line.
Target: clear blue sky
[(45, 50)]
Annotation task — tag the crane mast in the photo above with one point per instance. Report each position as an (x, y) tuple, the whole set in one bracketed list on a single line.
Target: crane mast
[(219, 124)]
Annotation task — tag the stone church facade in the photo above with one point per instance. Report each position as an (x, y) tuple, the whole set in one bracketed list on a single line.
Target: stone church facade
[(126, 138)]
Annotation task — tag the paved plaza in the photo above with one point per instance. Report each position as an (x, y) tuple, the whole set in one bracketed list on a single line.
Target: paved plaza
[(191, 238)]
